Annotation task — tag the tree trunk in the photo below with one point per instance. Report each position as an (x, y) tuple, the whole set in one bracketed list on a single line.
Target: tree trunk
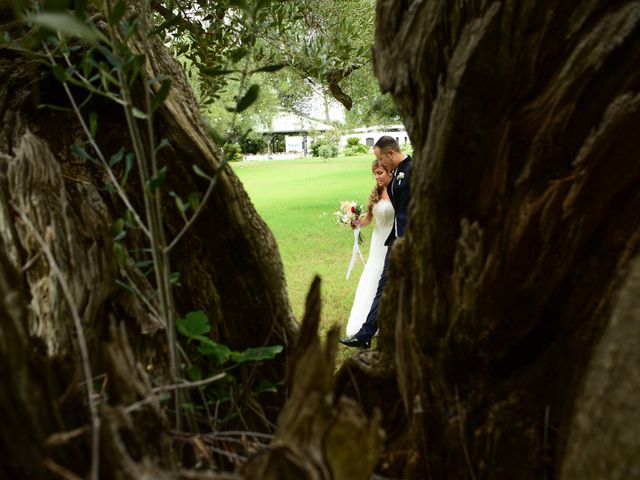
[(53, 201), (523, 226)]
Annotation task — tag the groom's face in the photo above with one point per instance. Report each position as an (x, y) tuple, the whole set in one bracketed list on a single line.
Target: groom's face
[(385, 158)]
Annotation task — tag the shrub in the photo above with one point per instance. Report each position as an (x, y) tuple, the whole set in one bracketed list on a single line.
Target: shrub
[(327, 151), (354, 149), (253, 143), (232, 152), (353, 141)]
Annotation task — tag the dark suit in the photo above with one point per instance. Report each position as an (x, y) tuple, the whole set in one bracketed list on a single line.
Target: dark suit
[(399, 194)]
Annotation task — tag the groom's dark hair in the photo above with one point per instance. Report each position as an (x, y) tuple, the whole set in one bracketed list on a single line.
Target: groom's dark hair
[(386, 143)]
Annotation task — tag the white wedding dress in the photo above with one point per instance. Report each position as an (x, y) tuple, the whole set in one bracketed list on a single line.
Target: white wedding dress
[(383, 218)]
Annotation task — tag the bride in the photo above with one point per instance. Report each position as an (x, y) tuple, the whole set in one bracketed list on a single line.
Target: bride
[(381, 210)]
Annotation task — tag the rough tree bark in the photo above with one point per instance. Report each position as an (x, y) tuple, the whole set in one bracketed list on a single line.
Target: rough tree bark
[(229, 266), (523, 227)]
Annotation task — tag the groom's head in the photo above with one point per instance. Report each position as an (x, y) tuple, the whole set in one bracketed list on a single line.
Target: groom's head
[(387, 151)]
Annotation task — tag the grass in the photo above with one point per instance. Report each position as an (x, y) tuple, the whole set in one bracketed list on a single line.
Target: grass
[(297, 199)]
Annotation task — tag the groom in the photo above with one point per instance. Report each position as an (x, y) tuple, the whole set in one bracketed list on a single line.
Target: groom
[(388, 152)]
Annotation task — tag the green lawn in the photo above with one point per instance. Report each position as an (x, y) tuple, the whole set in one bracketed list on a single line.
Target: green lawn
[(297, 199)]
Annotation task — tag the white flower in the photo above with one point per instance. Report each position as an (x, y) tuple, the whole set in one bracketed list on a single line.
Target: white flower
[(400, 176)]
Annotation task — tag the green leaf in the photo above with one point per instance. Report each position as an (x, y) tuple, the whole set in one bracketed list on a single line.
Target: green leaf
[(93, 124), (194, 200), (130, 161), (200, 173), (80, 152), (121, 254), (63, 23), (194, 373), (117, 12), (180, 204), (141, 264), (248, 99), (126, 286), (161, 96), (267, 386), (117, 230), (238, 54), (139, 113), (210, 348), (116, 158), (158, 180), (214, 72), (163, 143), (194, 325), (270, 68), (256, 354), (59, 72), (172, 22), (174, 279)]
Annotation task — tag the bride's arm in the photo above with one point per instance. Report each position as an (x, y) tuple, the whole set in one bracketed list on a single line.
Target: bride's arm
[(366, 220)]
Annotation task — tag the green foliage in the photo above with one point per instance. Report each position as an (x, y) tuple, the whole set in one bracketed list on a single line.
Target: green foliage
[(326, 145), (253, 143), (232, 152), (354, 147), (213, 358), (327, 151), (351, 151)]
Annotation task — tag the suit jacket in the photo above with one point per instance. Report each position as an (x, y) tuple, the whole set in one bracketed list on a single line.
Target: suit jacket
[(399, 193)]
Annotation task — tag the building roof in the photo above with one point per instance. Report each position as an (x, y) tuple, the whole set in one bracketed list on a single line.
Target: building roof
[(287, 122)]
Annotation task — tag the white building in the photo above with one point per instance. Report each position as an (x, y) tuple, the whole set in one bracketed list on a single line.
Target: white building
[(369, 135)]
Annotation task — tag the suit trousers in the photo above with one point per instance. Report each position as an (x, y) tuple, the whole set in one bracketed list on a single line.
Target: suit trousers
[(370, 326)]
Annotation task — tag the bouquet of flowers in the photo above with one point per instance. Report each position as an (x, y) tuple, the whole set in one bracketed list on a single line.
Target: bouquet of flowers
[(351, 213)]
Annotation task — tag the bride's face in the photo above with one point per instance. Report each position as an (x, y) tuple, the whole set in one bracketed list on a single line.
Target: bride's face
[(382, 176)]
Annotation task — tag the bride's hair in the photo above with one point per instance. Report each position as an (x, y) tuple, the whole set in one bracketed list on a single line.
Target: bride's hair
[(374, 196)]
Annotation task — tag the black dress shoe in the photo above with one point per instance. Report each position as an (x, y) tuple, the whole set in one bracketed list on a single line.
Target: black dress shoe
[(356, 342)]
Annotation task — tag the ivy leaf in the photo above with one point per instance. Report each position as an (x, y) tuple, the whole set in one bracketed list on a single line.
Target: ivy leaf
[(194, 325), (256, 354)]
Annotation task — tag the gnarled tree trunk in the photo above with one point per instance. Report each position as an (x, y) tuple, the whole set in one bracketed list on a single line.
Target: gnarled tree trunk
[(52, 201), (523, 225)]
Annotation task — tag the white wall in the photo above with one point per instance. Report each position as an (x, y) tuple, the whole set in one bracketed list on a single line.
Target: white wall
[(370, 135)]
